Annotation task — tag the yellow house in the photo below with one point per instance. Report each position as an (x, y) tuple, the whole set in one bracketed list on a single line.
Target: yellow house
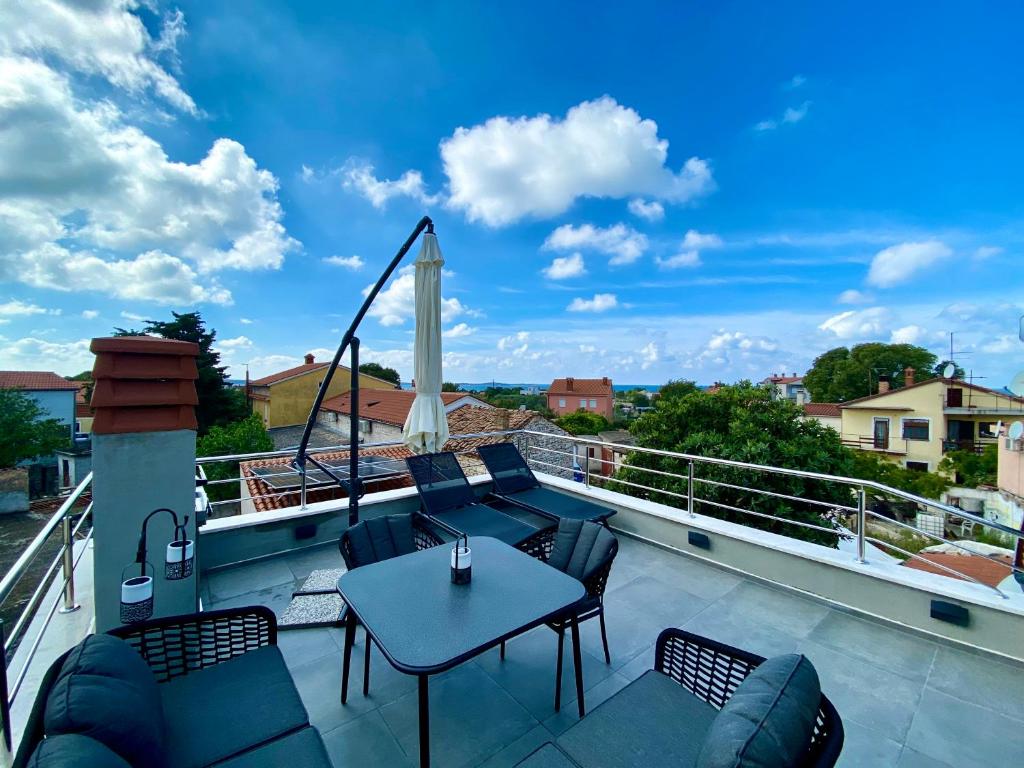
[(918, 424), (284, 399)]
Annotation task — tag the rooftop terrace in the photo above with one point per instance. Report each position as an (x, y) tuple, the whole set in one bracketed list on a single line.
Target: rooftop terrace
[(905, 700)]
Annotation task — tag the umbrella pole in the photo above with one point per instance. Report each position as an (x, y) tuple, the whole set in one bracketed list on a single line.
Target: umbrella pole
[(354, 489)]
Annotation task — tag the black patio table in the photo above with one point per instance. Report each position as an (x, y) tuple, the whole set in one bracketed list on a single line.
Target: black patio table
[(424, 624)]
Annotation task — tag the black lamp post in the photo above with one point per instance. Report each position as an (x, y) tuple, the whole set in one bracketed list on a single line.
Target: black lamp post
[(179, 562), (353, 484)]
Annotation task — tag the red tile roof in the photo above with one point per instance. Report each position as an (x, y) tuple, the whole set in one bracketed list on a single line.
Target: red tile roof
[(298, 370), (39, 380), (388, 406), (987, 570), (784, 379), (830, 410), (572, 386), (926, 382)]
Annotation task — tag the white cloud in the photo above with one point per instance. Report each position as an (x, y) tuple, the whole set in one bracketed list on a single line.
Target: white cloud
[(348, 262), (307, 174), (507, 342), (853, 296), (90, 314), (511, 168), (726, 348), (83, 182), (15, 308), (588, 349), (564, 267), (264, 365), (459, 331), (858, 324), (134, 317), (790, 116), (358, 176), (1002, 344), (649, 355), (651, 211), (99, 37), (986, 252), (795, 82), (624, 244), (681, 259), (696, 240), (230, 345), (397, 302), (908, 334), (65, 358), (691, 246), (898, 263), (245, 321), (600, 303)]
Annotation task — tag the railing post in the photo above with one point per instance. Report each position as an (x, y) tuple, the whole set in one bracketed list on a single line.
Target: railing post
[(690, 506), (68, 558), (302, 491), (5, 704), (861, 524), (586, 465)]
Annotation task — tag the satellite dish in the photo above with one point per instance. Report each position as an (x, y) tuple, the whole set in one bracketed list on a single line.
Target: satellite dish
[(1017, 384), (1016, 430), (949, 371)]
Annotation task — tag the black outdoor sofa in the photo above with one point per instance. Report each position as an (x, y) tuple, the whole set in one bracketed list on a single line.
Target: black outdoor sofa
[(515, 483), (706, 705), (448, 501), (207, 689)]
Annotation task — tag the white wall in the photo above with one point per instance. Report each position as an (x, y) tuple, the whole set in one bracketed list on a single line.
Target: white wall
[(59, 404)]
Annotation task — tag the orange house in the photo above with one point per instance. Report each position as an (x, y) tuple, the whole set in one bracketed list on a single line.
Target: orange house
[(569, 395)]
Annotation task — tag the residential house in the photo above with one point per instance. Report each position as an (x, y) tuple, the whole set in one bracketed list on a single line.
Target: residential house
[(1007, 504), (826, 414), (615, 449), (284, 399), (569, 395), (919, 423), (83, 411), (788, 388), (382, 412)]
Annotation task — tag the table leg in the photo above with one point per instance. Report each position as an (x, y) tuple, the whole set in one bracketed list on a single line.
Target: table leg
[(577, 662), (350, 638), (424, 723)]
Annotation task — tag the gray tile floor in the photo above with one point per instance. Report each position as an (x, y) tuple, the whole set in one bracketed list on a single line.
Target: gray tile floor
[(904, 701)]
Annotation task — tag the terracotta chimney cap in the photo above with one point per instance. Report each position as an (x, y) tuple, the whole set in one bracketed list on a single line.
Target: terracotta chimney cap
[(310, 359), (144, 345)]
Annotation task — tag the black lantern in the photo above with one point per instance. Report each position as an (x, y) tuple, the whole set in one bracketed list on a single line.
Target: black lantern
[(137, 590)]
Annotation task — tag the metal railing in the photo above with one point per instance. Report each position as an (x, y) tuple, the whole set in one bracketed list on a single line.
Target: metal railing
[(62, 566)]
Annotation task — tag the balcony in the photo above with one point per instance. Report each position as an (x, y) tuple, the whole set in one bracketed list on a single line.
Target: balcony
[(911, 690)]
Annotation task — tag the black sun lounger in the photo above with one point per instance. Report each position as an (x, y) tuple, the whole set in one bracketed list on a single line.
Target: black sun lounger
[(515, 483), (449, 502)]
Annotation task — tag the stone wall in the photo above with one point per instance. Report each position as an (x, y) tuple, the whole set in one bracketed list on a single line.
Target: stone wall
[(561, 460)]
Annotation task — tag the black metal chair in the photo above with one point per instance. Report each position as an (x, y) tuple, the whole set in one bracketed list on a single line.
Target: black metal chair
[(515, 483), (584, 550), (381, 538), (449, 502)]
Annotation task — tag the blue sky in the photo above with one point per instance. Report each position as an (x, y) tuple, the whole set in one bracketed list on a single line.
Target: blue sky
[(706, 191)]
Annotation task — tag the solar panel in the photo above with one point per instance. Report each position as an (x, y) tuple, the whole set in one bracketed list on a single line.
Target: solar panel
[(371, 469)]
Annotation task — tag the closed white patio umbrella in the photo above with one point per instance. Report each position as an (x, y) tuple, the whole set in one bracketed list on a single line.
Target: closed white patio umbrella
[(426, 427)]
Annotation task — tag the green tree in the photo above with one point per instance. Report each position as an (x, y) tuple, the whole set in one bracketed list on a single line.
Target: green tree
[(378, 370), (869, 465), (742, 423), (972, 469), (25, 429), (450, 386), (247, 435), (583, 423), (219, 402), (639, 398), (843, 374), (675, 389)]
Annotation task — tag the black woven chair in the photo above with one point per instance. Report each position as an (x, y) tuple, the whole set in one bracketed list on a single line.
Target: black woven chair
[(381, 538), (449, 502), (712, 672), (584, 550), (515, 483)]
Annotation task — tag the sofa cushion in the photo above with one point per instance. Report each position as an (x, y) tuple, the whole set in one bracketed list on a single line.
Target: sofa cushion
[(301, 749), (72, 750), (580, 547), (218, 712), (769, 720), (107, 692), (381, 538), (652, 721)]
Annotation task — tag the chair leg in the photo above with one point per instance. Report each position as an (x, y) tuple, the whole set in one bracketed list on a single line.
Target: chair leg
[(366, 667), (604, 637), (558, 670), (502, 650)]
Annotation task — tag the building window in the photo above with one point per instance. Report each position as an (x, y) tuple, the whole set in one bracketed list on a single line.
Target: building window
[(561, 402), (583, 403), (593, 403), (987, 429), (954, 397), (917, 466), (915, 429)]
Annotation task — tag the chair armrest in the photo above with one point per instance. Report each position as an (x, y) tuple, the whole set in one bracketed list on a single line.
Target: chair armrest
[(709, 670), (540, 544), (176, 645)]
